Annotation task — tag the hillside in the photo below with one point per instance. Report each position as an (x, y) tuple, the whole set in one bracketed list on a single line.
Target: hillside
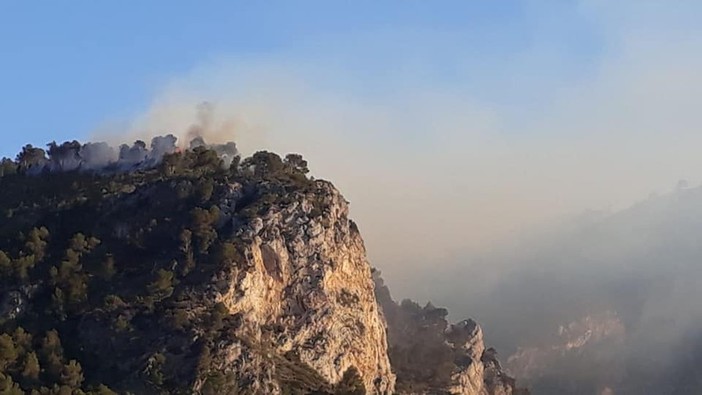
[(196, 271), (602, 302)]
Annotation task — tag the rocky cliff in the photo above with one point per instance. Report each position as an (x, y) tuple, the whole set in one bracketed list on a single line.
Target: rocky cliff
[(188, 276), (306, 279), (478, 370), (431, 356)]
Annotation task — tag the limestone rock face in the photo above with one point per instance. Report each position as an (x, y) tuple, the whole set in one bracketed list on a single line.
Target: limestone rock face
[(306, 289), (432, 356), (479, 373)]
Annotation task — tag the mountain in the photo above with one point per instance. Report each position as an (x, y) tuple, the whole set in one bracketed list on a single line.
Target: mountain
[(605, 303), (432, 356), (197, 271)]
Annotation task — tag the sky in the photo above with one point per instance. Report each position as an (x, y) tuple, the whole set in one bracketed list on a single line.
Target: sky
[(81, 63), (448, 125)]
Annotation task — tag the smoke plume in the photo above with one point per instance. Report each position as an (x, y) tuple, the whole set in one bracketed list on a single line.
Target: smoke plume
[(627, 281), (102, 157)]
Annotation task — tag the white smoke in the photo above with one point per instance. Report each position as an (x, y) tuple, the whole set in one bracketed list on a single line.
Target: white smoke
[(102, 157)]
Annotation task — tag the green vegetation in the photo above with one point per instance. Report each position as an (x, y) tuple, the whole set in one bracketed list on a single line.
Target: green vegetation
[(419, 354), (104, 278), (421, 349)]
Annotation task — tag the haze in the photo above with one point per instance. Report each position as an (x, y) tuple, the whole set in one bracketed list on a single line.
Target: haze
[(473, 142)]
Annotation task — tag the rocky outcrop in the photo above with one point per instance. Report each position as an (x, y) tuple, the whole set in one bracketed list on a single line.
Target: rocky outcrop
[(582, 355), (305, 290), (478, 370), (431, 356)]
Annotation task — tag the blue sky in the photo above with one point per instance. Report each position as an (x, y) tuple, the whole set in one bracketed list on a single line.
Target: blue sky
[(69, 66)]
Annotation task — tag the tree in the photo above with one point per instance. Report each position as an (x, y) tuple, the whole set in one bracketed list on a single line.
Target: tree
[(296, 163), (22, 339), (65, 156), (70, 280), (31, 158), (5, 264), (82, 244), (8, 351), (22, 265), (9, 387), (204, 190), (31, 367), (227, 253), (203, 222), (186, 241), (7, 167), (36, 242), (51, 353), (162, 286), (72, 374), (219, 313), (207, 160), (263, 164), (171, 164), (351, 383), (76, 289), (178, 319), (102, 390), (154, 369)]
